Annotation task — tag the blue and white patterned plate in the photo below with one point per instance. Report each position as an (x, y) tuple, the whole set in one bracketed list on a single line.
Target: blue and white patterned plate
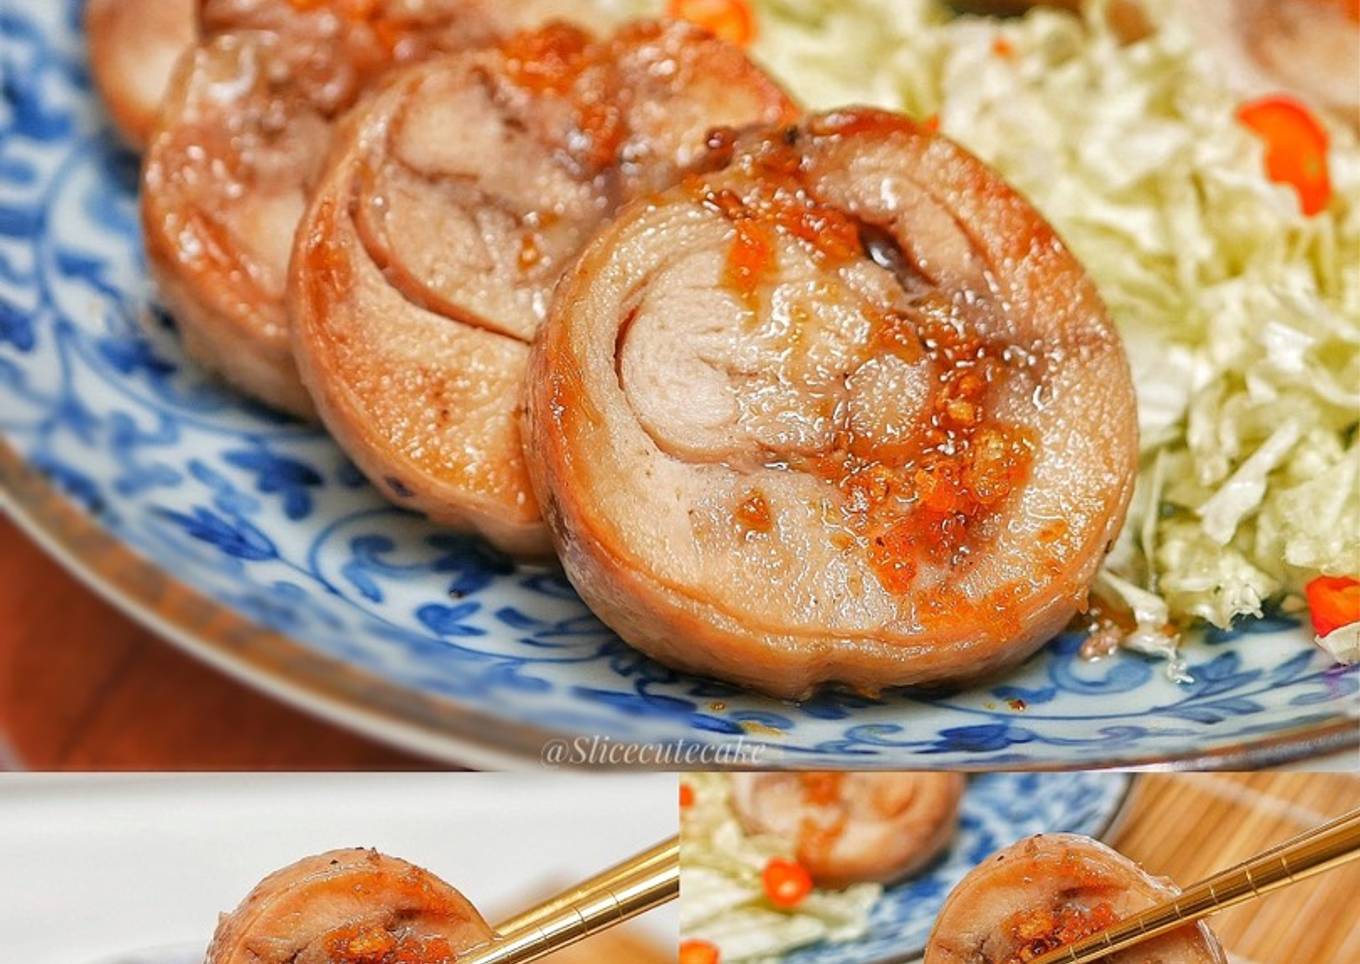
[(253, 542), (998, 810)]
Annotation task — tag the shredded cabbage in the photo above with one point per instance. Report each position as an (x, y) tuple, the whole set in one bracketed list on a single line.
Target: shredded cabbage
[(1343, 643), (720, 876), (1240, 314), (1151, 616)]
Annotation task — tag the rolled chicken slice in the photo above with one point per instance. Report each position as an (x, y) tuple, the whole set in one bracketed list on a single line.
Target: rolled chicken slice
[(1050, 891), (134, 45), (449, 207), (844, 408), (246, 125), (1308, 47), (853, 827), (349, 907)]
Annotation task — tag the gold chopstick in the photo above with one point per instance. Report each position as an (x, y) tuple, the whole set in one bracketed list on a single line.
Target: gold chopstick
[(625, 890), (1320, 849), (648, 859)]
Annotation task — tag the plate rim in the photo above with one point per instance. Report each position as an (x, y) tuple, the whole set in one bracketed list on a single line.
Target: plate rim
[(432, 726), (243, 648)]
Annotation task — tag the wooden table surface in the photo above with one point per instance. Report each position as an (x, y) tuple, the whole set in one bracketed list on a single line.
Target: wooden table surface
[(84, 687), (1189, 826)]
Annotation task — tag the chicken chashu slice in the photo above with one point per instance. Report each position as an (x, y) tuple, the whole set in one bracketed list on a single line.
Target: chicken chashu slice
[(247, 122), (853, 827), (134, 45), (843, 409), (1309, 47), (1050, 891), (449, 207), (349, 907)]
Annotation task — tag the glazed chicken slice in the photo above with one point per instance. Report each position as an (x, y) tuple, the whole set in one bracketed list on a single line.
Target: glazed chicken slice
[(844, 408), (1308, 47), (436, 23), (246, 125), (1050, 891), (449, 207), (349, 907), (134, 45), (853, 827)]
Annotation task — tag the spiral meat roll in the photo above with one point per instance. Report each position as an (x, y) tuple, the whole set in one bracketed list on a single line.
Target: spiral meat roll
[(1052, 890), (450, 206), (349, 907), (134, 45), (1310, 48), (247, 122), (844, 408), (853, 827)]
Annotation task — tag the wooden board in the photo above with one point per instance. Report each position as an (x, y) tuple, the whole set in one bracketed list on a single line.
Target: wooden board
[(84, 687), (1189, 826)]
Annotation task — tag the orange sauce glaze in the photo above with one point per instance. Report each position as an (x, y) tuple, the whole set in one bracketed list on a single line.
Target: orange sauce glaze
[(1053, 531), (816, 839), (1042, 930), (376, 945), (779, 202), (750, 259), (550, 59), (346, 8), (753, 514), (530, 253), (958, 470), (388, 31), (918, 501), (822, 789), (562, 60)]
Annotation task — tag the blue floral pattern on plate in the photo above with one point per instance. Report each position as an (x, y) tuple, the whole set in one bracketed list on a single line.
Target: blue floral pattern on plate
[(268, 518), (998, 810)]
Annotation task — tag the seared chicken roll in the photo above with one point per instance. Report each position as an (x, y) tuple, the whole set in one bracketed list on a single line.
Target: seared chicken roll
[(1308, 47), (244, 130), (853, 827), (349, 907), (134, 45), (844, 408), (449, 207), (1052, 890)]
